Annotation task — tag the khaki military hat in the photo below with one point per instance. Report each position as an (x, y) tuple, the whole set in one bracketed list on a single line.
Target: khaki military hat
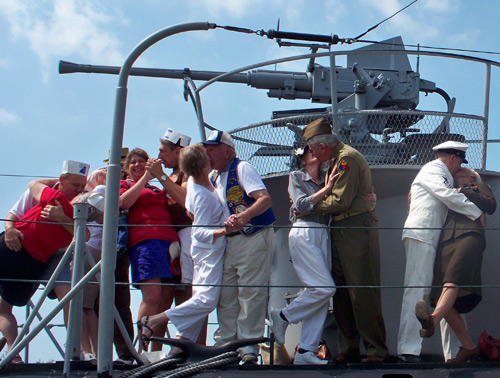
[(123, 156), (319, 126)]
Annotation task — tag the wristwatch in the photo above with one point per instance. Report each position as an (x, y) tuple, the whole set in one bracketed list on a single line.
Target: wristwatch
[(163, 177)]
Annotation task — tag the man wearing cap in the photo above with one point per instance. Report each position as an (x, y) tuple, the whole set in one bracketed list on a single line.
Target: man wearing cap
[(247, 261), (122, 291), (355, 246), (432, 194), (26, 247), (175, 186)]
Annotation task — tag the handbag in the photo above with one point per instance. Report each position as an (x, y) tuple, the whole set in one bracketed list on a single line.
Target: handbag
[(489, 346), (122, 234)]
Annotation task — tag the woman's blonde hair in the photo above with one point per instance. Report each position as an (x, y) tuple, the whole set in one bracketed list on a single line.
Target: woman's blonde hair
[(192, 159)]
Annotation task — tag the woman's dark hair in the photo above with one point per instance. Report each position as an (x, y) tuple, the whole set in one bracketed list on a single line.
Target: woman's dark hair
[(137, 152)]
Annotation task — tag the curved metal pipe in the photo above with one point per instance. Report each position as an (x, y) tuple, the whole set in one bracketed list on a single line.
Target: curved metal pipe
[(105, 353)]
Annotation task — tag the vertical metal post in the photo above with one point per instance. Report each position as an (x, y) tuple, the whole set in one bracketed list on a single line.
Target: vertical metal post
[(333, 87), (27, 349), (199, 113), (486, 113), (80, 216)]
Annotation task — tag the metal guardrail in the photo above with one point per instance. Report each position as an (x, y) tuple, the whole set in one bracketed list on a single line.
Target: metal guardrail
[(269, 145)]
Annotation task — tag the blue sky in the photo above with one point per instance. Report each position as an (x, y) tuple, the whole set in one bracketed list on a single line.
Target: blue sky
[(46, 118)]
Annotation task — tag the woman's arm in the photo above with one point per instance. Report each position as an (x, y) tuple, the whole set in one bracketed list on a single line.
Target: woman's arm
[(128, 198), (332, 177), (178, 192)]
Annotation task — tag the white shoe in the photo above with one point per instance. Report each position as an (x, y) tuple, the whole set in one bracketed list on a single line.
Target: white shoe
[(308, 358), (123, 361), (278, 326), (90, 358)]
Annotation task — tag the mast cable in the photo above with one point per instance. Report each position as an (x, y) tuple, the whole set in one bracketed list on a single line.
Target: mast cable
[(381, 22)]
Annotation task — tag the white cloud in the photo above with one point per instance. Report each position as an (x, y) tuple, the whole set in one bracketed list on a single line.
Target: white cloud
[(442, 6), (233, 8), (334, 11), (294, 11), (7, 117), (426, 21), (62, 28)]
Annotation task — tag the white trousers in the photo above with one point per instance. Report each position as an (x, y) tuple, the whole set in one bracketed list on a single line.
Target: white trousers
[(242, 304), (311, 257), (420, 258), (185, 256), (189, 316)]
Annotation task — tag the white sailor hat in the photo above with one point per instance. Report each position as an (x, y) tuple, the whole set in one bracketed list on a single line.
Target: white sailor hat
[(75, 168), (218, 137), (96, 197), (454, 148), (176, 138)]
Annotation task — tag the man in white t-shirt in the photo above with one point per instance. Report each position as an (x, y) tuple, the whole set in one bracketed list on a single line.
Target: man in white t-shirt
[(247, 262)]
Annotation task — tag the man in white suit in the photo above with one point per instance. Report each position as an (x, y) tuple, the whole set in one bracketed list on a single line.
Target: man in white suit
[(432, 194)]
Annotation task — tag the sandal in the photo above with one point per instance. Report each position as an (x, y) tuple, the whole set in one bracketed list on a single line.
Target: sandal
[(17, 360), (143, 337)]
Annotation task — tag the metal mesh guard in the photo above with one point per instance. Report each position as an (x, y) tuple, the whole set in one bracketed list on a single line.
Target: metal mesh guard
[(385, 138)]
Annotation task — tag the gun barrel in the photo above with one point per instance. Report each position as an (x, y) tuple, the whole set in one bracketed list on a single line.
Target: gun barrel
[(285, 83), (69, 67)]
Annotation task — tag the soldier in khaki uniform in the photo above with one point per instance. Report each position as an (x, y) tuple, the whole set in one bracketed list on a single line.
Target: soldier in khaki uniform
[(355, 251)]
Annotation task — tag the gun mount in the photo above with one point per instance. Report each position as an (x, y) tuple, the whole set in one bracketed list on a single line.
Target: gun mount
[(378, 77)]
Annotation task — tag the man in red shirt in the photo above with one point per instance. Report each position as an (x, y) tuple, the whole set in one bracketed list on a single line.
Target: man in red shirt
[(36, 242)]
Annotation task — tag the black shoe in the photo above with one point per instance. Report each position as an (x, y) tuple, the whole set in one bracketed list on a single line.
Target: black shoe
[(409, 358), (350, 357), (249, 359)]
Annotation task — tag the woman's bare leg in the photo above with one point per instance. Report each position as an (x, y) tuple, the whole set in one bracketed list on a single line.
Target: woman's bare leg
[(445, 303), (457, 324), (151, 298)]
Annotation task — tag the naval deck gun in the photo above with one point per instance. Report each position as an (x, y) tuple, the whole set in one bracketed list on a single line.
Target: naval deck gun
[(375, 104), (370, 81)]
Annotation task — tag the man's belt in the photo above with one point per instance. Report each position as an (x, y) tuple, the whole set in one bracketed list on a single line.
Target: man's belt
[(234, 233), (347, 215)]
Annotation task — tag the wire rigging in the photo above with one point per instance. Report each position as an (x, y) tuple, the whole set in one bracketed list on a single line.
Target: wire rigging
[(386, 19)]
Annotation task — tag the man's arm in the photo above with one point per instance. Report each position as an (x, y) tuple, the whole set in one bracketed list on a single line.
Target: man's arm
[(56, 214), (13, 236), (262, 203), (177, 192), (434, 183)]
